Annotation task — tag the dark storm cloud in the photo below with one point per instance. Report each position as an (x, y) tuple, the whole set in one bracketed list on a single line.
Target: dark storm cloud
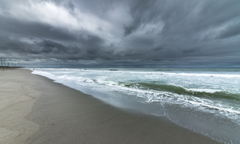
[(34, 29), (159, 31), (48, 48), (8, 46)]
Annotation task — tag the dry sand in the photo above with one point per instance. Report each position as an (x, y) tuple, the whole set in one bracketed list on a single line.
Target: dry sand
[(35, 110), (16, 100)]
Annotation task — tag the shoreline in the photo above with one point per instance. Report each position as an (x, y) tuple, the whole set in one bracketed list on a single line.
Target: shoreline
[(64, 115)]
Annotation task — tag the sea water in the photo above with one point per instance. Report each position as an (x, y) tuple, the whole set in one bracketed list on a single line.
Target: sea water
[(206, 101)]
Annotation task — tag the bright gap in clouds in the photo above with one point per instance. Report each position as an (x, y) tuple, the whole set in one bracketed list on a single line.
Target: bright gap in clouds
[(59, 16), (56, 16)]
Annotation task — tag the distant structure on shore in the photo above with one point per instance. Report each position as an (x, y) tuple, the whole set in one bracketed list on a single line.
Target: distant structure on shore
[(6, 64)]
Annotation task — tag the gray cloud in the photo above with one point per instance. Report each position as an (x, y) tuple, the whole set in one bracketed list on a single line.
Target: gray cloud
[(158, 31), (231, 30)]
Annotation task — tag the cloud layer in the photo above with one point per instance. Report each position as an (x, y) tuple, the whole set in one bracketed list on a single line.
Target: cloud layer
[(160, 32)]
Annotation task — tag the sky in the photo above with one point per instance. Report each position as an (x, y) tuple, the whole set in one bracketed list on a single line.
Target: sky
[(131, 33)]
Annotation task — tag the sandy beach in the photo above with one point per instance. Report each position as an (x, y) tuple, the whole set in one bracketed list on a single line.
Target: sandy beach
[(35, 110)]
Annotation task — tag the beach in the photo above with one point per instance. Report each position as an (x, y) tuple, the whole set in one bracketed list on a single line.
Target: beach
[(34, 110)]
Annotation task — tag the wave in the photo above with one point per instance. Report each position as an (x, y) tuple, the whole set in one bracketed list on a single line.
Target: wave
[(183, 91), (223, 103), (113, 69), (153, 85)]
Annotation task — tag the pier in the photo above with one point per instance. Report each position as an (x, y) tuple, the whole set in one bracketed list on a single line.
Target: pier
[(7, 64)]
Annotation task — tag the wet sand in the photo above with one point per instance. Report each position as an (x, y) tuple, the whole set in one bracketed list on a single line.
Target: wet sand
[(35, 110)]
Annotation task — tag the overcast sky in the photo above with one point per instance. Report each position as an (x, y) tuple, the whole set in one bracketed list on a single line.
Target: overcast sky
[(121, 32)]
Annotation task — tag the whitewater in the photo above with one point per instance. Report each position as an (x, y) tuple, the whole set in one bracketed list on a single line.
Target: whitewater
[(206, 101)]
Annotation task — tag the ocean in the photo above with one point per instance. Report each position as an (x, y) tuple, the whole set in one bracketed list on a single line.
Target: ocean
[(206, 101)]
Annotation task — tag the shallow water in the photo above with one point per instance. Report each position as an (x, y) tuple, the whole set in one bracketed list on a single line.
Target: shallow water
[(206, 101)]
